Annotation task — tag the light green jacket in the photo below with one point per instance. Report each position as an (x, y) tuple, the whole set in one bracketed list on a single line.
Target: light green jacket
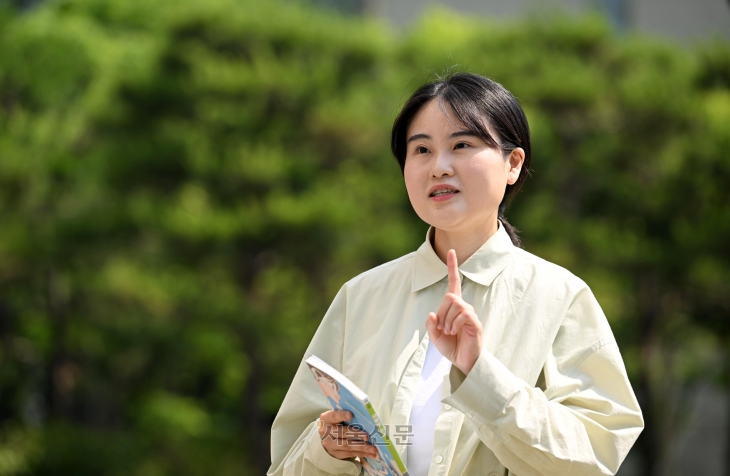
[(549, 394)]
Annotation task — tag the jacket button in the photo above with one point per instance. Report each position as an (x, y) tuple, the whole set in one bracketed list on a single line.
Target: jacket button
[(439, 459), (448, 407)]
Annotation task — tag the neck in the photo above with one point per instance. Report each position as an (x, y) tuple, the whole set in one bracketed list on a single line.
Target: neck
[(466, 243)]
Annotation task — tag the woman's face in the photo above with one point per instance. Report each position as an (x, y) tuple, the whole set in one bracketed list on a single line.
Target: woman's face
[(455, 181)]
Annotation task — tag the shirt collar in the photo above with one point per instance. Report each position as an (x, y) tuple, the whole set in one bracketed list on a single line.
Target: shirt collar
[(481, 267)]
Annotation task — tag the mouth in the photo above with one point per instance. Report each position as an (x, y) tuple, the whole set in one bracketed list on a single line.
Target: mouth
[(443, 191)]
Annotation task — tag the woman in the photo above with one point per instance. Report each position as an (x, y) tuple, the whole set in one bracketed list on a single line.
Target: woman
[(504, 364)]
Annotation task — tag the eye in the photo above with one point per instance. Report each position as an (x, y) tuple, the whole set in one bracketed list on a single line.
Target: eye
[(421, 150), (461, 145)]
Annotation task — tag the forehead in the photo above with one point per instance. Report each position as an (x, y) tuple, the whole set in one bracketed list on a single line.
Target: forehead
[(433, 116)]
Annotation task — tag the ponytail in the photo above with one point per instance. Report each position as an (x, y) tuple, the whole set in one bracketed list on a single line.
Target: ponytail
[(511, 231)]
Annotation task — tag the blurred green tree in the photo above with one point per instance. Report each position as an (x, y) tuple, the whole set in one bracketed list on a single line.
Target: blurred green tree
[(185, 185)]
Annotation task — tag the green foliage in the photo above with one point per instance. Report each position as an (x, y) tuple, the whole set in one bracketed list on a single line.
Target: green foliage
[(185, 184)]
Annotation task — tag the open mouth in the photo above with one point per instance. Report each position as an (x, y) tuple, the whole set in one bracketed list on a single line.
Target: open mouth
[(443, 191)]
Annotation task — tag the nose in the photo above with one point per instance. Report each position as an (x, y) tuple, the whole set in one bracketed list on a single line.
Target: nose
[(442, 165)]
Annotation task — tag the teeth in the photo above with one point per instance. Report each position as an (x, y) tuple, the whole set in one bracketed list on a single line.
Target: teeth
[(442, 192)]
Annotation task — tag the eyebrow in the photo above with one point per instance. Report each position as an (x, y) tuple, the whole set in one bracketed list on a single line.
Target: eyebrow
[(456, 134), (416, 137), (463, 133)]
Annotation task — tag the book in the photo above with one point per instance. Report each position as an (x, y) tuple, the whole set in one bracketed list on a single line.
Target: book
[(342, 394)]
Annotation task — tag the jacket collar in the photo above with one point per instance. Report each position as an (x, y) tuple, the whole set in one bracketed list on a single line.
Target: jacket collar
[(481, 267)]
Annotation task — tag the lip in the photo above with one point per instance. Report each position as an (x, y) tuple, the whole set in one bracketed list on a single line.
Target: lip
[(441, 198)]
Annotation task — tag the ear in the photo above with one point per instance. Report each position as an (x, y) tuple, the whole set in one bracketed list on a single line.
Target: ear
[(515, 160)]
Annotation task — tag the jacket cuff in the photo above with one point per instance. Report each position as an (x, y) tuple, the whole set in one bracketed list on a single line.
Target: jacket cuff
[(486, 391), (316, 453)]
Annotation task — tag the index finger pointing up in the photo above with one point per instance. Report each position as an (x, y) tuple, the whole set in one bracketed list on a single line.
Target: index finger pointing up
[(454, 280)]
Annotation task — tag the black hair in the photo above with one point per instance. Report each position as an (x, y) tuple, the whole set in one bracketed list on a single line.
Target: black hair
[(479, 103)]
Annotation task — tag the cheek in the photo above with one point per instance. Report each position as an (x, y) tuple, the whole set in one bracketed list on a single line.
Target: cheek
[(411, 178), (487, 178)]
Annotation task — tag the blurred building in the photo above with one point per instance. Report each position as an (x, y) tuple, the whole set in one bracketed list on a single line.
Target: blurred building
[(687, 21)]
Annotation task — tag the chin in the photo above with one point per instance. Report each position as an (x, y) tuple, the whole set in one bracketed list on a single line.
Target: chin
[(444, 225), (443, 219)]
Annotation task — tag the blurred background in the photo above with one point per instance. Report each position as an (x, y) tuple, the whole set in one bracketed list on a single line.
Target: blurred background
[(185, 184)]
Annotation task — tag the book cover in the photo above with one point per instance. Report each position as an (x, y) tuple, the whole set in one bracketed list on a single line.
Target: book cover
[(342, 394)]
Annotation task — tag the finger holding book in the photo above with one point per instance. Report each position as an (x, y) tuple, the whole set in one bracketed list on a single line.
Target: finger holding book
[(340, 440)]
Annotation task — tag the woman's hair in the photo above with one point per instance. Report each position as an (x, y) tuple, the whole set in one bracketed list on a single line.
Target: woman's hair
[(479, 103)]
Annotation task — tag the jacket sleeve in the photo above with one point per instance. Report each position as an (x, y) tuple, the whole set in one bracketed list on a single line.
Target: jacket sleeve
[(296, 448), (583, 423)]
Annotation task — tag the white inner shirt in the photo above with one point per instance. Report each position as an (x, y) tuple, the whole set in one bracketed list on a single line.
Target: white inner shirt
[(426, 409)]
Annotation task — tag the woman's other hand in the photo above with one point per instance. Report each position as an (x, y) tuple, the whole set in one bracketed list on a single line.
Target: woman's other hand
[(340, 440), (455, 329)]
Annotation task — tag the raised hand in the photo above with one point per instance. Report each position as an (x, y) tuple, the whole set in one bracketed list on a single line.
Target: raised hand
[(342, 441), (455, 329)]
